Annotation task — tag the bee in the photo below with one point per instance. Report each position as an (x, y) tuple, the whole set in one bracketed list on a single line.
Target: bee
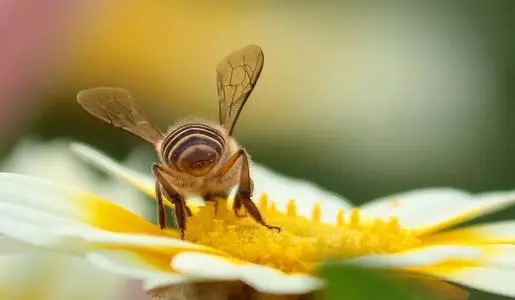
[(196, 157)]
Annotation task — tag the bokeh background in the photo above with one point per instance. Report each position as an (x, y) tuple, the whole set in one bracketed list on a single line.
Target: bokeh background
[(364, 98)]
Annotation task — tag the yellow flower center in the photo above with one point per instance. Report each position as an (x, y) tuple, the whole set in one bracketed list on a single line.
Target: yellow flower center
[(302, 242)]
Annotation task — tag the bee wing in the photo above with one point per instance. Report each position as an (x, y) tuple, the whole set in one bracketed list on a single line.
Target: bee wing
[(116, 106), (236, 76)]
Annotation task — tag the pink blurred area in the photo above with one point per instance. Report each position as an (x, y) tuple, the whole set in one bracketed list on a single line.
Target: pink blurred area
[(34, 38)]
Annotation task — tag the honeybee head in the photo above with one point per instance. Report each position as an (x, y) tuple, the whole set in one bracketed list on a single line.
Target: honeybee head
[(198, 160), (193, 148)]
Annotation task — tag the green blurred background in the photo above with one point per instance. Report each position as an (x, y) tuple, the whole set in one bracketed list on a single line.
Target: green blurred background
[(364, 98)]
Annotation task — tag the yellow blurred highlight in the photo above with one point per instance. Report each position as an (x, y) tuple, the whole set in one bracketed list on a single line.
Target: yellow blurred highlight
[(144, 43)]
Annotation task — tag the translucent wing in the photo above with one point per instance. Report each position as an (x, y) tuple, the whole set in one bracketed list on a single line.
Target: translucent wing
[(236, 76), (117, 107)]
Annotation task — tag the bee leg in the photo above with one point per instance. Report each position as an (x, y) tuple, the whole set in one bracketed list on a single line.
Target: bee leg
[(161, 214), (215, 206), (161, 208), (236, 206), (180, 213), (188, 211), (224, 170), (243, 196), (166, 171), (171, 194), (214, 197)]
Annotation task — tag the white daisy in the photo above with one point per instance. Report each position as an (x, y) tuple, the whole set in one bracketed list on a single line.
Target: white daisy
[(225, 255), (28, 274)]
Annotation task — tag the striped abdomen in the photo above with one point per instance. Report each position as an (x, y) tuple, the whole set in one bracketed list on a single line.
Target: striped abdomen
[(193, 148)]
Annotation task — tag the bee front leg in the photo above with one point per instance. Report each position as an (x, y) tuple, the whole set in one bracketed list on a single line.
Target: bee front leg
[(163, 187), (170, 173), (243, 196), (161, 213), (236, 206)]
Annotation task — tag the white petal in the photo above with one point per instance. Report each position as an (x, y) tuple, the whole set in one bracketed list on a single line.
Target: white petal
[(481, 205), (281, 189), (426, 256), (32, 209), (42, 229), (143, 182), (205, 266), (263, 279), (498, 256), (37, 193), (493, 272), (493, 280), (415, 203), (96, 236), (428, 210), (26, 232), (268, 280), (498, 232), (50, 216), (129, 265)]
